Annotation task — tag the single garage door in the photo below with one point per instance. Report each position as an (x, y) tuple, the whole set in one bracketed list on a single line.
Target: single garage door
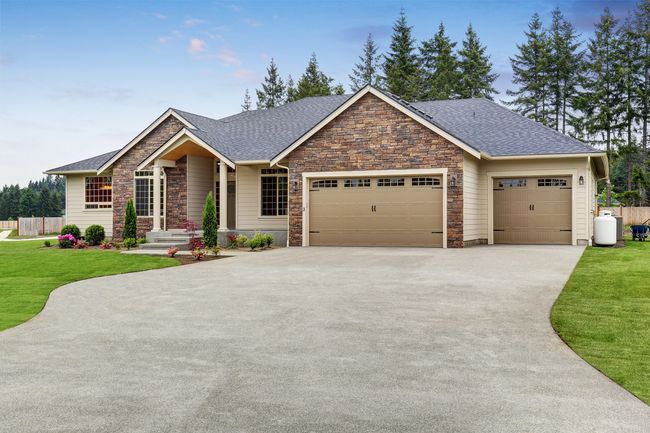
[(533, 210), (382, 211)]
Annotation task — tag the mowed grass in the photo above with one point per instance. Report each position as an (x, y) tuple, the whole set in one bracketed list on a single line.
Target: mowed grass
[(603, 314), (29, 272)]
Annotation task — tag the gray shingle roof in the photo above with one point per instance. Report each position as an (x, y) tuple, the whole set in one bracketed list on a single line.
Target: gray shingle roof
[(263, 134), (498, 131), (90, 164)]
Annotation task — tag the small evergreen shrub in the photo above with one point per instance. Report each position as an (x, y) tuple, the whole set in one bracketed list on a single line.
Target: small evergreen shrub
[(94, 234), (130, 221), (129, 243), (47, 244), (268, 240), (141, 241), (242, 240), (71, 229), (210, 222), (257, 241)]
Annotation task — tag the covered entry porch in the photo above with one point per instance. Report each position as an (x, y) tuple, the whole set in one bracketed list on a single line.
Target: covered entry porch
[(246, 195)]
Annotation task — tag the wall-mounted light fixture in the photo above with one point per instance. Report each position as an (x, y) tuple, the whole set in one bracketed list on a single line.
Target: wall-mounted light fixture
[(294, 186), (452, 181), (581, 180)]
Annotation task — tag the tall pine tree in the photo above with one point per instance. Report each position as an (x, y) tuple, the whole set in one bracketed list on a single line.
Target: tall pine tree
[(475, 68), (601, 97), (641, 30), (292, 92), (367, 70), (401, 65), (273, 92), (565, 67), (440, 77), (313, 81), (530, 69), (247, 102)]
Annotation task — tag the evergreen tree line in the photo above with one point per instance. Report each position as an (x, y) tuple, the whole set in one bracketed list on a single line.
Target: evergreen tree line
[(432, 70), (596, 90), (45, 197)]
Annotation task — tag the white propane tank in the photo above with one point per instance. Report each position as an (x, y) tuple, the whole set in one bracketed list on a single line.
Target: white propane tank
[(605, 229)]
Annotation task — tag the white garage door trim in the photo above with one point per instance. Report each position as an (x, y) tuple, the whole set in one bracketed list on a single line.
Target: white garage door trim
[(523, 173), (308, 176)]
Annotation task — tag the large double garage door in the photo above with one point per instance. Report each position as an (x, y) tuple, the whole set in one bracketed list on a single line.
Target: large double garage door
[(376, 211), (532, 210)]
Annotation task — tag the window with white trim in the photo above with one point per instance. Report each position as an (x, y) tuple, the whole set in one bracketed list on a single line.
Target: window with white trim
[(357, 183), (325, 183), (99, 192), (425, 181), (144, 193), (274, 192), (390, 181)]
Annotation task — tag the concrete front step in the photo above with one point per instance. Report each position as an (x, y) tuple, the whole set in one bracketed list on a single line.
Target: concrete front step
[(163, 245)]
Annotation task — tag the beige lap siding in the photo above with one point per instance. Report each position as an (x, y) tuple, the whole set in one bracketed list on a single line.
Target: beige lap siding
[(76, 212), (200, 181), (372, 135), (472, 201), (248, 201), (123, 184)]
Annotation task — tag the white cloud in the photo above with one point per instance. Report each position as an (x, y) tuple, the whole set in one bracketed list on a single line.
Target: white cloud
[(229, 57), (164, 39), (251, 22), (160, 16), (245, 76), (197, 46), (191, 22)]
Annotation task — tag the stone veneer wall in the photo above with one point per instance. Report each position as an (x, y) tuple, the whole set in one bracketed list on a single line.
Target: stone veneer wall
[(123, 183), (373, 135)]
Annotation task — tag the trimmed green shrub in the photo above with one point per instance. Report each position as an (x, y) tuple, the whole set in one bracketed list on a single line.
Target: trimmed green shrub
[(141, 241), (257, 241), (129, 243), (47, 244), (71, 229), (268, 239), (242, 240), (94, 234), (210, 222), (130, 221)]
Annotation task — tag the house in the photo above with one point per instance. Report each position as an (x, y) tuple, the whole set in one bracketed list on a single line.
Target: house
[(363, 169)]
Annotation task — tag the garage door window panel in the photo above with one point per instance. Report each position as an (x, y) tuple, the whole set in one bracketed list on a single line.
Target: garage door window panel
[(425, 181), (390, 181), (357, 183)]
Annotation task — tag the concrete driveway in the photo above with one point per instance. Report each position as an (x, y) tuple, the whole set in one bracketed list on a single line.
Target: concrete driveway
[(313, 340)]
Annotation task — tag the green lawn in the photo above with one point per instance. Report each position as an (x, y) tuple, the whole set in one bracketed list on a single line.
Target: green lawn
[(28, 273), (603, 314)]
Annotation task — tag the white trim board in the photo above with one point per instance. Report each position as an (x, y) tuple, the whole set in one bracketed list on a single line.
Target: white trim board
[(143, 134), (353, 99), (491, 175), (307, 176)]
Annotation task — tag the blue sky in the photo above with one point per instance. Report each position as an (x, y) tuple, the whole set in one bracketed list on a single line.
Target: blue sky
[(82, 78)]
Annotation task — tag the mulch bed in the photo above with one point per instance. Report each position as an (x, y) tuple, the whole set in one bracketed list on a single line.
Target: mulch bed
[(188, 260)]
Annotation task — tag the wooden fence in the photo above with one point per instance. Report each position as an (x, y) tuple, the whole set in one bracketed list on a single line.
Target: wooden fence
[(11, 225), (631, 215), (39, 226)]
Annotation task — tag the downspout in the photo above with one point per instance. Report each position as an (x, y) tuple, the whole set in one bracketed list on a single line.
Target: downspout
[(288, 199)]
